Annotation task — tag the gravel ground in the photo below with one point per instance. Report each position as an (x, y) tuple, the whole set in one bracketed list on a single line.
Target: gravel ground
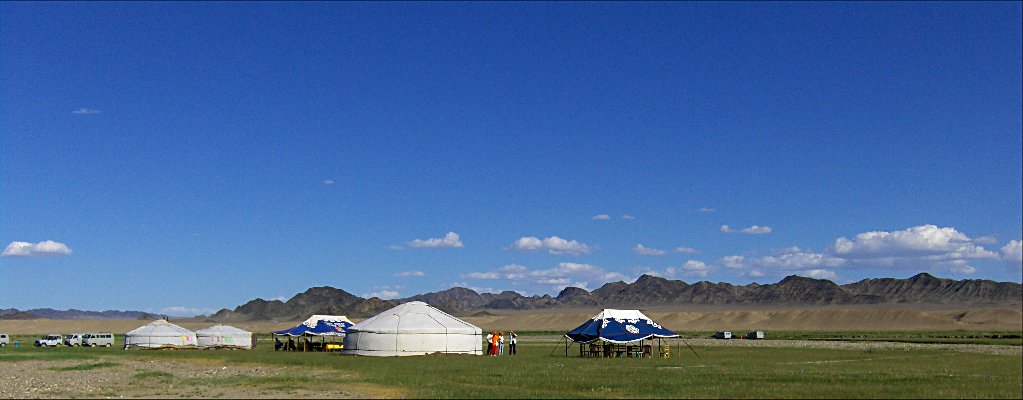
[(37, 379)]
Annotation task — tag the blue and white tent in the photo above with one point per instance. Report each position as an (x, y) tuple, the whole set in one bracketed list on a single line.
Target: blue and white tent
[(319, 325), (619, 326)]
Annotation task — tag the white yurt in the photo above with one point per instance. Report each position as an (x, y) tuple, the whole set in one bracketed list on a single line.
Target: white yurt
[(413, 329), (159, 334), (224, 336)]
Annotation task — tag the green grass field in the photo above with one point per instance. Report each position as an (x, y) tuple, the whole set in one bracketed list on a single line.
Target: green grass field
[(719, 372)]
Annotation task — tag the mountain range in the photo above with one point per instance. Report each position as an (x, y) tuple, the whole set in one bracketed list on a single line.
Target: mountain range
[(49, 313), (648, 291)]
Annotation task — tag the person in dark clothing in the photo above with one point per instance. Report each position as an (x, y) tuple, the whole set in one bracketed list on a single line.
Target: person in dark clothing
[(513, 339), (277, 344)]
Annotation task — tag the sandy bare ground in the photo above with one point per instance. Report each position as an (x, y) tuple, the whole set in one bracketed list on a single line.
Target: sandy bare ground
[(679, 319), (126, 378)]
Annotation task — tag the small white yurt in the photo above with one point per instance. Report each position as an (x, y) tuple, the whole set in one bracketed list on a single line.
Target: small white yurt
[(159, 334), (413, 329), (223, 336)]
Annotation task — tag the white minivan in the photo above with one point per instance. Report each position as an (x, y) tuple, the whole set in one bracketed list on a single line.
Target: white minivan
[(105, 339), (74, 339), (4, 339), (53, 339)]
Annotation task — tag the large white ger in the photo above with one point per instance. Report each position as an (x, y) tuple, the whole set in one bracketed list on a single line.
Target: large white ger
[(159, 334), (412, 329), (224, 336)]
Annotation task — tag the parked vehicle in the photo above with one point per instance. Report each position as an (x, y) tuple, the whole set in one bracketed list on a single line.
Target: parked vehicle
[(53, 339), (4, 339), (723, 335), (755, 335), (105, 339), (74, 339)]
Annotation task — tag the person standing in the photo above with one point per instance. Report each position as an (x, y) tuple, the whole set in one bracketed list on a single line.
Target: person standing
[(500, 343), (490, 343), (512, 340), (493, 343)]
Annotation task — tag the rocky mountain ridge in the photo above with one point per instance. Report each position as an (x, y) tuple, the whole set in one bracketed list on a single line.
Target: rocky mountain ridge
[(648, 291), (49, 313)]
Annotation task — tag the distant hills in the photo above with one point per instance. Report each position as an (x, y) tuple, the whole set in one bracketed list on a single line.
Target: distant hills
[(648, 291), (49, 313)]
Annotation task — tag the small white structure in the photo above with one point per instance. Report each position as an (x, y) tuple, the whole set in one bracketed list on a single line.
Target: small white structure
[(412, 329), (159, 334), (223, 336)]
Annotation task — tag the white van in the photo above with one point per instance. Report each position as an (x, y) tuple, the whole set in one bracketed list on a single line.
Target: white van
[(74, 339), (53, 339), (4, 339), (105, 339)]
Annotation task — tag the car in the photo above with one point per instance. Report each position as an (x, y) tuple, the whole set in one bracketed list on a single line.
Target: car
[(755, 335), (723, 335), (50, 340), (4, 339), (74, 339), (105, 339)]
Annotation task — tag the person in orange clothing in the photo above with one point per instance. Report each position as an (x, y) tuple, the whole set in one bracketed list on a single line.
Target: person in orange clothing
[(493, 343)]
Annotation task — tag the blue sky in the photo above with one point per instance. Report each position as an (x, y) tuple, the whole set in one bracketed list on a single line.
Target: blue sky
[(184, 157)]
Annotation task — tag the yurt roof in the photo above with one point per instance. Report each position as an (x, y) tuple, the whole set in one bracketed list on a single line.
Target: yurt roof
[(415, 317), (311, 321), (160, 328)]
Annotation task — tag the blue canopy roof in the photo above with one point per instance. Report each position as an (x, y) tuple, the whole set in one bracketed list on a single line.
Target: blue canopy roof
[(319, 325), (618, 326)]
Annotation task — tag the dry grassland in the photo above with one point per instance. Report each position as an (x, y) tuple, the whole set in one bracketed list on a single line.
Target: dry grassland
[(687, 319)]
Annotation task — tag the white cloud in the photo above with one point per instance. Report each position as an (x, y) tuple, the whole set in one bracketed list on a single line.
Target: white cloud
[(753, 230), (819, 274), (85, 111), (628, 217), (395, 247), (383, 294), (756, 273), (449, 241), (926, 247), (554, 245), (1012, 253), (706, 210), (482, 275), (44, 248), (916, 241), (559, 246), (989, 240), (787, 250), (686, 250), (557, 278), (734, 262), (647, 251), (527, 243), (407, 274), (601, 217), (691, 268), (328, 182)]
